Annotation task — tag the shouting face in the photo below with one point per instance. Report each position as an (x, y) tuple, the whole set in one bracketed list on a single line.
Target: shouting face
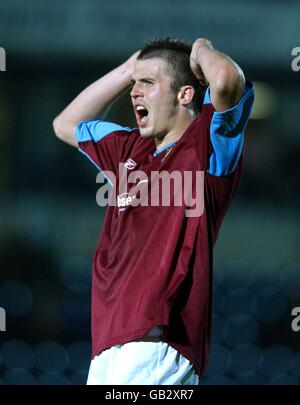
[(155, 103)]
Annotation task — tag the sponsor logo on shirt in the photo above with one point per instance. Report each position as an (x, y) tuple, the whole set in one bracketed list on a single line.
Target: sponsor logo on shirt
[(157, 189), (124, 200)]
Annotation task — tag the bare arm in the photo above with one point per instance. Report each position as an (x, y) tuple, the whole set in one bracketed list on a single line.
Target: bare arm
[(224, 76), (93, 101)]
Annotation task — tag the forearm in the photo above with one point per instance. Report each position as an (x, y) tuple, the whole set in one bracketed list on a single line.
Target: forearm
[(93, 101), (224, 76), (97, 97)]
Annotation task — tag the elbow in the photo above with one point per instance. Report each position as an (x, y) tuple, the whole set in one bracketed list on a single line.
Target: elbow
[(65, 131), (57, 127), (230, 83)]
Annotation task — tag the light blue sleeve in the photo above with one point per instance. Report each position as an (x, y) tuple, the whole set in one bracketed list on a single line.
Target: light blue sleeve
[(227, 133), (91, 139), (96, 130)]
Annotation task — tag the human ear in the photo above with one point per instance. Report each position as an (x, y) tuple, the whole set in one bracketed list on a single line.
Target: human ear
[(186, 95)]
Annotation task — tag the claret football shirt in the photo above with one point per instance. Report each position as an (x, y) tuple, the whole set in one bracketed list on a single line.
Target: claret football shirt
[(153, 262)]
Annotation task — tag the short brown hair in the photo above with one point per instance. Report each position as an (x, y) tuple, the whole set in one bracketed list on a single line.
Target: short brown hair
[(176, 53)]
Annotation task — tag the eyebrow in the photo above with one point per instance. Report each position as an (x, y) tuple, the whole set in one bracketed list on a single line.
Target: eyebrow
[(143, 80)]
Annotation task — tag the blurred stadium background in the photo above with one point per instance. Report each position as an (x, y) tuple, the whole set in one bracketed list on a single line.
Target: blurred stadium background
[(49, 220)]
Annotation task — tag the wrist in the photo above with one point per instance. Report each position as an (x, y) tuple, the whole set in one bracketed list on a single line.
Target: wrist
[(124, 74), (130, 63)]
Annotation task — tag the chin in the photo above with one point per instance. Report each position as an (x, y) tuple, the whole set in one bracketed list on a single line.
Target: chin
[(145, 132)]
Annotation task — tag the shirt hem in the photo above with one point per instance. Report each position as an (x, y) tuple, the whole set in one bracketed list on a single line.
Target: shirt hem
[(132, 336), (125, 338)]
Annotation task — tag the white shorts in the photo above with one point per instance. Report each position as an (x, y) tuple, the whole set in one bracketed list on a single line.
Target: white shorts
[(141, 363)]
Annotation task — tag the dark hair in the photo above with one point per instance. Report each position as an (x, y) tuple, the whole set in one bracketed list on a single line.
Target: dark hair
[(176, 53)]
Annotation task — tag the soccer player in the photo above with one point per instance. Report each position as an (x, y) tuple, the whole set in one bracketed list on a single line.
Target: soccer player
[(152, 269)]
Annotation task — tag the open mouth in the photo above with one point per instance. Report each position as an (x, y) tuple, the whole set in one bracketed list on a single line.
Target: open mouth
[(142, 115)]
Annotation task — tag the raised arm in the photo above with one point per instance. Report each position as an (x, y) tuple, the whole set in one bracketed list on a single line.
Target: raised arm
[(225, 78), (93, 101)]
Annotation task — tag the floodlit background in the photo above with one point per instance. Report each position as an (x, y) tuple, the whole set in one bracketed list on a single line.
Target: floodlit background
[(49, 220)]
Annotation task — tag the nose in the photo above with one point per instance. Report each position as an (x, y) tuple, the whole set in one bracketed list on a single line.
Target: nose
[(136, 91)]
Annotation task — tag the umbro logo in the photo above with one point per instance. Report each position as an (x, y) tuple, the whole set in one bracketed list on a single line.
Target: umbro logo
[(130, 164)]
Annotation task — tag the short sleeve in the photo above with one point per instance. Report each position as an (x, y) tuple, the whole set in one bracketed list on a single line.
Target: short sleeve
[(227, 133), (101, 142)]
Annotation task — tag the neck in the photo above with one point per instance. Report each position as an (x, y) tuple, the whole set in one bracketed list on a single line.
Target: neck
[(181, 125)]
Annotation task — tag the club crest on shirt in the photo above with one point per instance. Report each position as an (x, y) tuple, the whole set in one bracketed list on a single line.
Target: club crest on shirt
[(130, 164)]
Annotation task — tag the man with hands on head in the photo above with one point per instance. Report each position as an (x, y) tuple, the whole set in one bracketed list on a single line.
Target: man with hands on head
[(152, 269)]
